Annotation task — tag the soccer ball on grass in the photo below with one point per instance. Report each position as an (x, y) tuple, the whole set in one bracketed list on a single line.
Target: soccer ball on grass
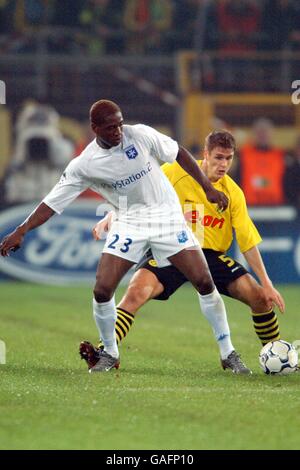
[(278, 357)]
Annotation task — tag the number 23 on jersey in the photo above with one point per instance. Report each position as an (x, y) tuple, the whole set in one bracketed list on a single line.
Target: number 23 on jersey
[(126, 245)]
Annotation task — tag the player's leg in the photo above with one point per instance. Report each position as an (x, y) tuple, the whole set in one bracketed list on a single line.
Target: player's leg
[(193, 265), (247, 290), (149, 282), (143, 286), (124, 247), (233, 280), (110, 271)]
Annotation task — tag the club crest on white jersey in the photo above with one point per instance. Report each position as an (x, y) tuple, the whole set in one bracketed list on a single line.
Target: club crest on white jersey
[(182, 236), (131, 152)]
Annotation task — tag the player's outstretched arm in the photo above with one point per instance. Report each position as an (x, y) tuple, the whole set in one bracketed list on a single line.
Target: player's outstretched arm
[(189, 164), (255, 261), (14, 240)]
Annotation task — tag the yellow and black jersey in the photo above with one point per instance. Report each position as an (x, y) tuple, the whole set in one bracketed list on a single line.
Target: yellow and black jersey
[(218, 228)]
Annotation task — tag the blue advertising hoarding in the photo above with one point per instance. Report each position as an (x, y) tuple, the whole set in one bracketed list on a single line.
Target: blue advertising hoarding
[(62, 251), (279, 228)]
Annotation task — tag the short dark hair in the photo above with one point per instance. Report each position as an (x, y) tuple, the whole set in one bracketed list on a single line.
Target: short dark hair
[(220, 138), (101, 109)]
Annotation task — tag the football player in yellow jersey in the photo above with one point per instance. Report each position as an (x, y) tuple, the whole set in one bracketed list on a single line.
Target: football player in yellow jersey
[(230, 277)]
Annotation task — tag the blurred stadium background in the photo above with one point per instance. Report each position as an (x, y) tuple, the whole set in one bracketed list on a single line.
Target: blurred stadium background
[(184, 67)]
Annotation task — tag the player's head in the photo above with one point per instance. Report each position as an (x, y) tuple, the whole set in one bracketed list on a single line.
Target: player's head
[(218, 154), (107, 121)]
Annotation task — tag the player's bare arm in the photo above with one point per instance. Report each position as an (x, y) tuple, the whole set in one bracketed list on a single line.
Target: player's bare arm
[(188, 163), (255, 261), (14, 240)]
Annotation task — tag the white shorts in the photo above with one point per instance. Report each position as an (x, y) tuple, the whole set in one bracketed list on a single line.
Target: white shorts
[(131, 241)]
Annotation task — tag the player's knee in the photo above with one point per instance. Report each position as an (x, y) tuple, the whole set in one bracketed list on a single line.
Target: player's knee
[(137, 295), (204, 285), (103, 293), (259, 301)]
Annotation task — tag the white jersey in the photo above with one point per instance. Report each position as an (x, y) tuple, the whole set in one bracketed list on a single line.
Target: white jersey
[(131, 169)]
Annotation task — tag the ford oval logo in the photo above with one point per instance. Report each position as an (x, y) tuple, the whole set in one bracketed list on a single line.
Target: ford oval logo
[(62, 251)]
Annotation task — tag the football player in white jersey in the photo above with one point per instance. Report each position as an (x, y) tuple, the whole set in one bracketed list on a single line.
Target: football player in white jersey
[(122, 164)]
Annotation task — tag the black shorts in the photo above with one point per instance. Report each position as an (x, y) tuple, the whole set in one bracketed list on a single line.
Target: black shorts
[(224, 270)]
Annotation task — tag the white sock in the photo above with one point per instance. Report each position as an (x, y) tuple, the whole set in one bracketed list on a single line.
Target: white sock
[(213, 309), (105, 315)]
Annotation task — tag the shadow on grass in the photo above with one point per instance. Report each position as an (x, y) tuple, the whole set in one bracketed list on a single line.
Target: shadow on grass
[(47, 370), (170, 376)]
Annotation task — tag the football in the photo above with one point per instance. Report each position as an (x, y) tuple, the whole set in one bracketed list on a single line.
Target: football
[(278, 357)]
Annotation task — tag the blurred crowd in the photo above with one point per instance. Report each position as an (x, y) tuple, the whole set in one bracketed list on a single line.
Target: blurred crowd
[(268, 174), (98, 27)]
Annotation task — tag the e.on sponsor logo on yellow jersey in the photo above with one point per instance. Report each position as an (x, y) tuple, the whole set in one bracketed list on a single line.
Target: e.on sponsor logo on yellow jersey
[(206, 221)]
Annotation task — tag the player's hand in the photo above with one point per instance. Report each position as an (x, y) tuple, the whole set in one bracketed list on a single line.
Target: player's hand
[(217, 197), (103, 225), (12, 242), (273, 297)]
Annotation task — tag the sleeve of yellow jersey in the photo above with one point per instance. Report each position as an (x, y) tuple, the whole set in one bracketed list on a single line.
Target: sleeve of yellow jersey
[(246, 233)]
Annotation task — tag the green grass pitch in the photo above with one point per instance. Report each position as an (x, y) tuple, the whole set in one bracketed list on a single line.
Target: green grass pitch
[(170, 392)]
